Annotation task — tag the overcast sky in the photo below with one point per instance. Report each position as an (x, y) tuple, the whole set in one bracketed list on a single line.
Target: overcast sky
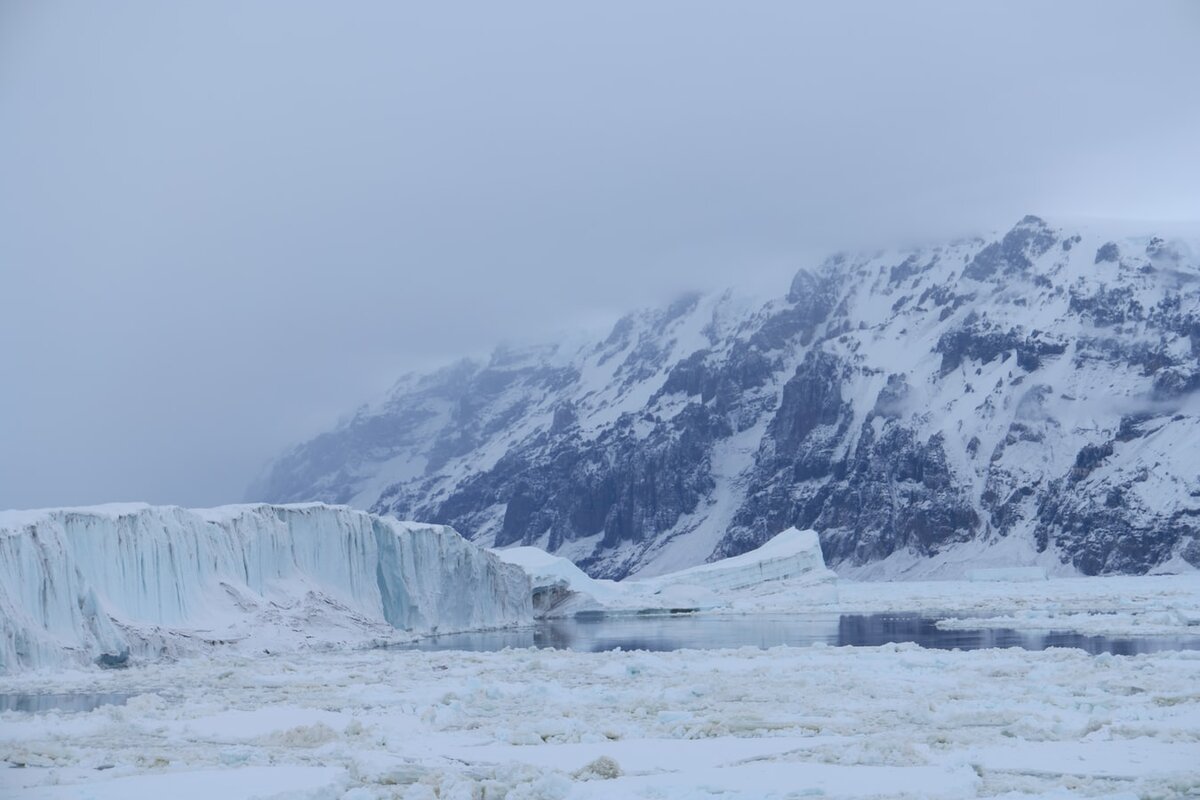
[(222, 225)]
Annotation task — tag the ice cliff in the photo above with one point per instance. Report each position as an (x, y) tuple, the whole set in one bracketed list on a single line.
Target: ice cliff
[(111, 583)]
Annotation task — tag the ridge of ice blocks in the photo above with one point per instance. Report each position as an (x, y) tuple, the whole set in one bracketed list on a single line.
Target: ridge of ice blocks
[(791, 560), (108, 584)]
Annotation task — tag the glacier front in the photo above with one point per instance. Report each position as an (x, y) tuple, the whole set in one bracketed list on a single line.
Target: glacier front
[(108, 584)]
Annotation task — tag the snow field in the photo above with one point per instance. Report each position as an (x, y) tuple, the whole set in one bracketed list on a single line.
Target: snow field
[(893, 721)]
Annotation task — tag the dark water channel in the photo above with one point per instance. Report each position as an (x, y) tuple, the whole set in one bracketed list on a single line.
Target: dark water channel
[(36, 702), (701, 632)]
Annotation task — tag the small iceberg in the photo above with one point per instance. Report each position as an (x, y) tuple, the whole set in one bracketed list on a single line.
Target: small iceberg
[(790, 561)]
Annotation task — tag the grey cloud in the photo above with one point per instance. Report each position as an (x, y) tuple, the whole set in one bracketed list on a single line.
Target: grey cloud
[(223, 224)]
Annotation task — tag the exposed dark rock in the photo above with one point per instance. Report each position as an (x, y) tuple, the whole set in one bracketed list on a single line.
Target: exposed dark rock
[(1089, 458), (976, 340), (811, 398), (893, 399), (622, 486), (1131, 427), (824, 408), (1100, 538), (1176, 382), (566, 416), (812, 298), (1191, 552), (1028, 239), (1107, 306), (913, 265), (895, 492), (1108, 252)]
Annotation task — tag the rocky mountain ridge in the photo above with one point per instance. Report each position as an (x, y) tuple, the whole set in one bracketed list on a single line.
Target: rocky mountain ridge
[(1028, 398)]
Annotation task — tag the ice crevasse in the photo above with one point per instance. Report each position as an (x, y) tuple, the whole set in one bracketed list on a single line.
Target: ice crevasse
[(108, 584)]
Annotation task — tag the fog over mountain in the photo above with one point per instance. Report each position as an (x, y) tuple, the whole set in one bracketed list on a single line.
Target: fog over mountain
[(1029, 397), (222, 226)]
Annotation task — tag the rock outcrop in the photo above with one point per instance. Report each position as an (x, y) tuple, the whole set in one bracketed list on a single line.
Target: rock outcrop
[(1035, 395)]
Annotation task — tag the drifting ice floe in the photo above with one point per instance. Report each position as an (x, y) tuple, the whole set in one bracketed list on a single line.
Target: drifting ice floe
[(104, 583), (562, 589)]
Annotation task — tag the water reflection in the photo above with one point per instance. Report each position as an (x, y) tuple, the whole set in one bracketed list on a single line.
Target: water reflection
[(678, 632), (876, 629), (75, 702)]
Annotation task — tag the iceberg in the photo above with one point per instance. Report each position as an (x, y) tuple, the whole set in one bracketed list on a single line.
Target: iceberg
[(790, 562), (109, 583), (559, 587), (790, 555)]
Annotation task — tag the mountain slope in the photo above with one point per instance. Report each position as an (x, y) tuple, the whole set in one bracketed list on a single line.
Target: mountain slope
[(1029, 398)]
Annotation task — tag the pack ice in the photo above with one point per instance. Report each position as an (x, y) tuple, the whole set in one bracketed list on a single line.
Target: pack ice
[(111, 583)]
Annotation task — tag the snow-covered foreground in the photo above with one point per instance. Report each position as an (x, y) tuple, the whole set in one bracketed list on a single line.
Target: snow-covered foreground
[(333, 720), (789, 722)]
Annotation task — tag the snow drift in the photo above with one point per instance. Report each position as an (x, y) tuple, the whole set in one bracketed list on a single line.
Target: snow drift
[(562, 589), (113, 582)]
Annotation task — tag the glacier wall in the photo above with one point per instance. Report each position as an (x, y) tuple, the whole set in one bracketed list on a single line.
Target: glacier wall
[(113, 582)]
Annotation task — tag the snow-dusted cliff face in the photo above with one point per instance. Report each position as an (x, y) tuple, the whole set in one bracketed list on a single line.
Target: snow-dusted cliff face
[(1028, 398), (113, 582)]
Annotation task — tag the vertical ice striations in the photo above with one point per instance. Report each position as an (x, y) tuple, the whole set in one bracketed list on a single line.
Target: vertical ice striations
[(104, 583)]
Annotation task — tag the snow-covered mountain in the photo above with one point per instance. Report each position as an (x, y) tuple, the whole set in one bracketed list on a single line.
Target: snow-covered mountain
[(1026, 398), (107, 583)]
